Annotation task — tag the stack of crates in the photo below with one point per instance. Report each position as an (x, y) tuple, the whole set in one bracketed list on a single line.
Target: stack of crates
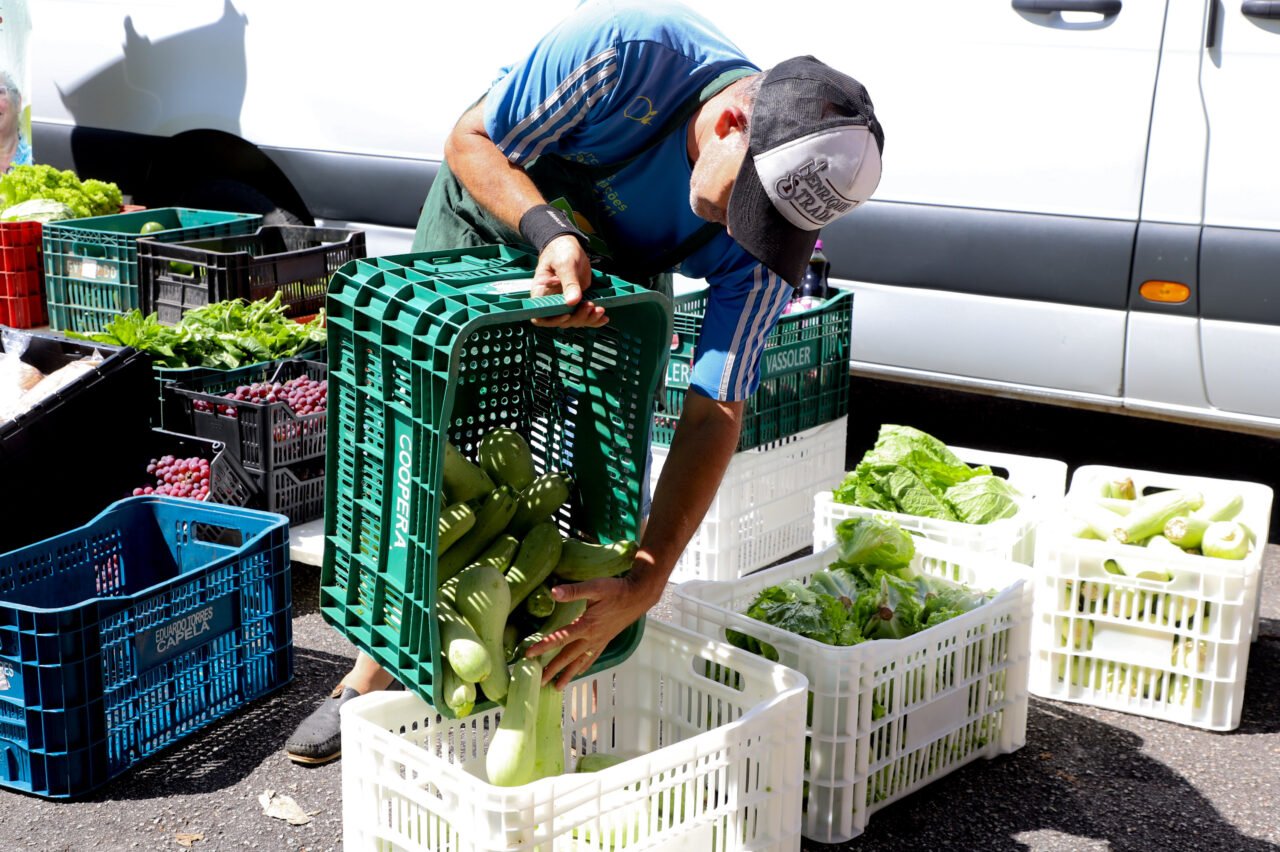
[(91, 264), (433, 348), (21, 275), (133, 631), (792, 443), (282, 450)]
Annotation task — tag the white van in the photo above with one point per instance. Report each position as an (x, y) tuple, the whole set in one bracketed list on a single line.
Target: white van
[(1078, 203)]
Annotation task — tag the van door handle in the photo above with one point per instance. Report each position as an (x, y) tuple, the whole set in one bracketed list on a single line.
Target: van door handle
[(1269, 9), (1101, 7)]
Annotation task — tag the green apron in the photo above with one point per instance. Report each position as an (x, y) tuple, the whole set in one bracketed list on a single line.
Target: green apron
[(452, 218)]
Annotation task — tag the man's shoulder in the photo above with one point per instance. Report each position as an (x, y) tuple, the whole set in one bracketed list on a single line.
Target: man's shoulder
[(634, 21)]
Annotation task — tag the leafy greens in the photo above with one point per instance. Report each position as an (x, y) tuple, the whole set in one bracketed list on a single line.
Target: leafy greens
[(224, 335), (872, 592), (912, 472)]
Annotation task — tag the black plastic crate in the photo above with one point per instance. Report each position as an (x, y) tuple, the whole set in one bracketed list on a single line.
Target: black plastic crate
[(229, 483), (56, 458), (263, 436), (172, 411), (296, 492), (293, 260)]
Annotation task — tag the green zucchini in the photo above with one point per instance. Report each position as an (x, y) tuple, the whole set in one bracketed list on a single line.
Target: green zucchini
[(491, 519), (509, 762), (1152, 512), (581, 560), (463, 479), (540, 603), (454, 522), (540, 500), (504, 455), (538, 556), (481, 597), (463, 648)]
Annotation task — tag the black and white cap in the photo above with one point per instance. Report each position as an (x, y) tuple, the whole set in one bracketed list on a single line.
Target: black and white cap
[(813, 154)]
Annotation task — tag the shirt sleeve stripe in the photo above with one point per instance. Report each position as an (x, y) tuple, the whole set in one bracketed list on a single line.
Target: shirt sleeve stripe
[(761, 327), (748, 312), (565, 127), (572, 84)]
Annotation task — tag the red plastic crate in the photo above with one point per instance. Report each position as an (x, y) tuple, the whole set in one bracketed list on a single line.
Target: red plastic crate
[(19, 234), (22, 312), (21, 275)]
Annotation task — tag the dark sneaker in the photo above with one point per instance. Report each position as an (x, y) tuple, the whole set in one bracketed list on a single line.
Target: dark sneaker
[(319, 738)]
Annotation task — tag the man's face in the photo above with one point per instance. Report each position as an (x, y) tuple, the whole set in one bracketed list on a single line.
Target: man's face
[(713, 177)]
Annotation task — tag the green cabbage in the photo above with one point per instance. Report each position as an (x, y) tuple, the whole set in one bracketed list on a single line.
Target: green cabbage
[(37, 210), (924, 454), (912, 472), (873, 541), (983, 499)]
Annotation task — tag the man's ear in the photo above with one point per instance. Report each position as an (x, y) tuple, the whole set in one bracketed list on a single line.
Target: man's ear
[(731, 119)]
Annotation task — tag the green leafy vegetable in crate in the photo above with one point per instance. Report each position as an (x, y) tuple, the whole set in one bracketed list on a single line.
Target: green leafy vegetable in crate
[(83, 198), (37, 210), (225, 335), (870, 593), (912, 472)]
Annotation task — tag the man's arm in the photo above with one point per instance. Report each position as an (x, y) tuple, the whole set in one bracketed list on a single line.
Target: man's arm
[(701, 449), (504, 189)]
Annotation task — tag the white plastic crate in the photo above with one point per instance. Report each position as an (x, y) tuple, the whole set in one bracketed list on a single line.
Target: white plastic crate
[(717, 735), (889, 716), (1041, 482), (1176, 650), (763, 511)]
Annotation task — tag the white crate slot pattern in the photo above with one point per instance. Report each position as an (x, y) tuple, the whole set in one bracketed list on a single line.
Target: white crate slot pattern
[(763, 511), (713, 737), (890, 716), (1175, 650), (1041, 482)]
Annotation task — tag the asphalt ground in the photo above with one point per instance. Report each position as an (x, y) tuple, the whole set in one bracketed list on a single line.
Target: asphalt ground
[(1087, 779)]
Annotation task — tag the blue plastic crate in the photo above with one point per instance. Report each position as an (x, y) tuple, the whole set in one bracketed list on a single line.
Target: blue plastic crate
[(133, 631)]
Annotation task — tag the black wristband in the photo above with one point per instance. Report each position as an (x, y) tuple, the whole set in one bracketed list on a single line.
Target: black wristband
[(542, 224)]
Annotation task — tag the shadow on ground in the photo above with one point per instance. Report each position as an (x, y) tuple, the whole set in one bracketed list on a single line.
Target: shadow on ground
[(1261, 711), (228, 751), (1080, 777)]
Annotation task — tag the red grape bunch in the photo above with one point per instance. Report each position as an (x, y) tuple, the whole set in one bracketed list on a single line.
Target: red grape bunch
[(303, 394), (177, 477)]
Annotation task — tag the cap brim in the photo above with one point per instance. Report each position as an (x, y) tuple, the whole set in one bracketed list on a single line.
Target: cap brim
[(760, 229)]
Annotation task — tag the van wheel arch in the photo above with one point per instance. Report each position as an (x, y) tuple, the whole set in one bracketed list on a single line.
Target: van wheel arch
[(212, 170)]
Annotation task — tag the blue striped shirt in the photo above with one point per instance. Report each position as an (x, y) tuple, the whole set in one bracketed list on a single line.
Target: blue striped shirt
[(598, 89)]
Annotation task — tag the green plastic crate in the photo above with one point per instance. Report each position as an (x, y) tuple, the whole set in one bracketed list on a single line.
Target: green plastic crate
[(430, 347), (91, 264), (804, 371)]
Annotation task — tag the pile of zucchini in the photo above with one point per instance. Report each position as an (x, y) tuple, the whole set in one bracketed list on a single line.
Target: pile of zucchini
[(1178, 521), (499, 552)]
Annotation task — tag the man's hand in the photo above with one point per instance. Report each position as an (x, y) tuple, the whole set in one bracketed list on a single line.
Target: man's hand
[(613, 604), (563, 267)]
